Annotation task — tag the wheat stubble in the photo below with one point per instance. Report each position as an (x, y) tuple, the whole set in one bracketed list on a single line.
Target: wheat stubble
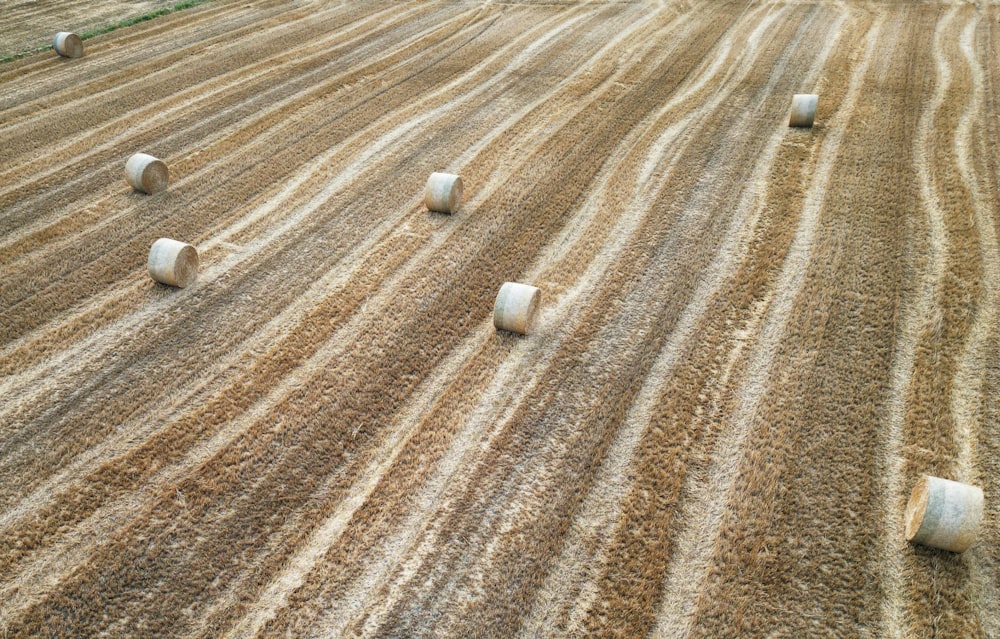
[(126, 464), (938, 586), (325, 436)]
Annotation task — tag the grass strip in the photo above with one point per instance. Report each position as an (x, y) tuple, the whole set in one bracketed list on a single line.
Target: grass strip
[(127, 22)]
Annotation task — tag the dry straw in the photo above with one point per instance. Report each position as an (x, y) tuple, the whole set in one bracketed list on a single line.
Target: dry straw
[(173, 263), (944, 514), (515, 307), (443, 193), (803, 109), (68, 45), (146, 174)]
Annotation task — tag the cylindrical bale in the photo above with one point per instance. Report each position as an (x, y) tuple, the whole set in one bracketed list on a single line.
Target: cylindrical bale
[(147, 174), (515, 307), (68, 45), (803, 109), (443, 193), (944, 514), (173, 263)]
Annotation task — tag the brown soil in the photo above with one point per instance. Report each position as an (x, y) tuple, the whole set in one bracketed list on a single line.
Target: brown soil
[(753, 339)]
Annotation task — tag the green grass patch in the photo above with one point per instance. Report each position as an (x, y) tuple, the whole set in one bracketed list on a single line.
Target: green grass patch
[(128, 22), (121, 24), (24, 54)]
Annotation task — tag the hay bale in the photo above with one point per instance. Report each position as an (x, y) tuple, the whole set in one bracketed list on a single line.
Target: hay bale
[(146, 174), (944, 514), (516, 307), (803, 109), (68, 45), (443, 193), (173, 263)]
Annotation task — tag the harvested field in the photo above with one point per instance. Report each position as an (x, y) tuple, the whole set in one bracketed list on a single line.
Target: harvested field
[(29, 24), (753, 339)]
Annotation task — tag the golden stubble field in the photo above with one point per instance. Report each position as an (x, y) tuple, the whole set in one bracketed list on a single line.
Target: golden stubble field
[(754, 338), (26, 25)]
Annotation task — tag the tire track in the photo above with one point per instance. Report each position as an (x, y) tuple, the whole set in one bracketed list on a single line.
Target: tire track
[(893, 489), (587, 548), (196, 125), (42, 344), (56, 83), (705, 502), (984, 557), (307, 436), (317, 200), (467, 540), (941, 317), (314, 204), (970, 378), (307, 557), (359, 162), (104, 258), (29, 24), (75, 150), (449, 456), (968, 384), (325, 435), (500, 381)]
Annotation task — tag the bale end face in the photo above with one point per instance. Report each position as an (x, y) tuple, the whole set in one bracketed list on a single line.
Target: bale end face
[(443, 193), (68, 45), (516, 307), (173, 263), (146, 174), (915, 508), (803, 110), (943, 514)]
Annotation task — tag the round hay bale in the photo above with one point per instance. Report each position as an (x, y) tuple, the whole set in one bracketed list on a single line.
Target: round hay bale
[(443, 193), (68, 45), (173, 263), (944, 514), (803, 109), (146, 174), (516, 307)]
